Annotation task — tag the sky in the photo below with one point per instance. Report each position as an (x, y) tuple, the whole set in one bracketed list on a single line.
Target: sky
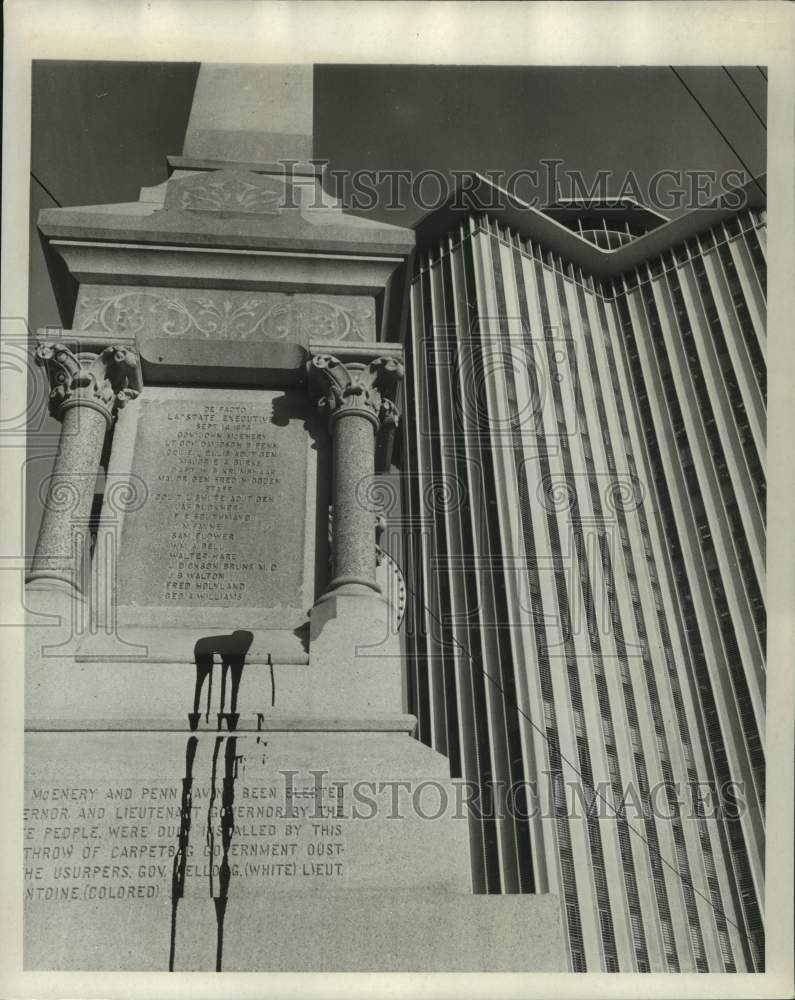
[(101, 131)]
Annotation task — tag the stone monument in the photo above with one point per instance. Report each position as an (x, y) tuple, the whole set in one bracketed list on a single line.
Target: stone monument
[(220, 770)]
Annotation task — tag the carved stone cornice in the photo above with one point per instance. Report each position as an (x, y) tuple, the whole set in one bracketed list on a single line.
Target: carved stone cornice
[(366, 388), (231, 314), (103, 380)]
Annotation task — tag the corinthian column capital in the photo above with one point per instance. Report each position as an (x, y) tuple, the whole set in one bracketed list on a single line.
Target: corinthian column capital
[(104, 381), (364, 388)]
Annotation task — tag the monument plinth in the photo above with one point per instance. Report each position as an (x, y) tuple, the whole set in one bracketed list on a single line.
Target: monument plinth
[(220, 766)]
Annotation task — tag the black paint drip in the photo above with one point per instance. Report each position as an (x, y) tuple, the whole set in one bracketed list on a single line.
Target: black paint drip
[(235, 667), (227, 829), (232, 650), (178, 872), (210, 835)]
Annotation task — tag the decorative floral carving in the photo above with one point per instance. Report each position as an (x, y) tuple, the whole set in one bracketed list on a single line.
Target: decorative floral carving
[(105, 381), (225, 192), (356, 385), (234, 318)]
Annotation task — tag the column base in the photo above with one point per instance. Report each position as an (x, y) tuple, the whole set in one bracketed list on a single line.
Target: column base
[(61, 584), (350, 586), (56, 617)]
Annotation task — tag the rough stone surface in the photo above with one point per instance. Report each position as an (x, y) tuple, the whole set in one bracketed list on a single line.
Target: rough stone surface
[(70, 494), (354, 523)]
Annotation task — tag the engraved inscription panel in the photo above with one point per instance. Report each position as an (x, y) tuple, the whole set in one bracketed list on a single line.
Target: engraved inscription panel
[(97, 841), (230, 814), (224, 521), (159, 849)]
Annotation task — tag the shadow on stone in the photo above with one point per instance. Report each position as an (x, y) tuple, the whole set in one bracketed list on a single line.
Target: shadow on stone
[(302, 634), (292, 406), (295, 406)]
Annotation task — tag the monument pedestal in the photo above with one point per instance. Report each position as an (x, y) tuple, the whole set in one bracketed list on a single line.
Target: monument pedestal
[(306, 848)]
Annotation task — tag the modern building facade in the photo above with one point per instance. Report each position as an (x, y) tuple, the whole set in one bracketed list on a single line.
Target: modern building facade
[(585, 446)]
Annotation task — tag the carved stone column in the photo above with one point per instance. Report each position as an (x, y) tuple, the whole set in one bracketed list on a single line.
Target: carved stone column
[(86, 390), (358, 398)]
